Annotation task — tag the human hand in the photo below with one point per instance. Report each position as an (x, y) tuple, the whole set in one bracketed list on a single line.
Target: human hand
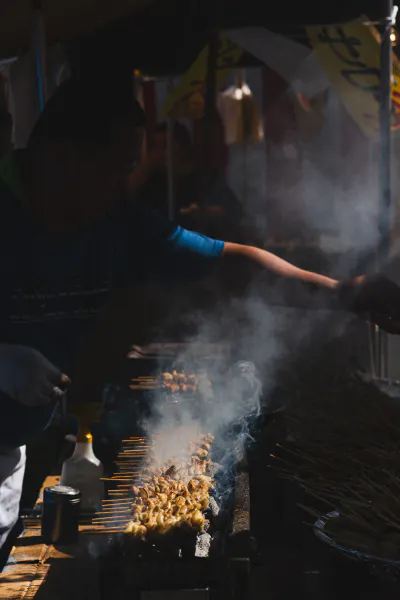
[(28, 377), (377, 296)]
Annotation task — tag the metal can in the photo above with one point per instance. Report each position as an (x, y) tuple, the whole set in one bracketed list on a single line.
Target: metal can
[(60, 520)]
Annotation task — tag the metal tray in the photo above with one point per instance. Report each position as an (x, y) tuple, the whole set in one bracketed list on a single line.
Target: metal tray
[(319, 530)]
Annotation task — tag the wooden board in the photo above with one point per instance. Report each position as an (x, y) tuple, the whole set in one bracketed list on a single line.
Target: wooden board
[(42, 572)]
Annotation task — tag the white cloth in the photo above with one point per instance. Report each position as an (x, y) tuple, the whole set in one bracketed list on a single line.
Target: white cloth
[(295, 63), (12, 470)]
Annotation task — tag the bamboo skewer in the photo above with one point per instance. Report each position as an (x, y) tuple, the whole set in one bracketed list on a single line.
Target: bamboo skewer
[(116, 480), (133, 462), (119, 478), (139, 448), (139, 442), (137, 455), (131, 457), (114, 511), (346, 454), (114, 501), (111, 517)]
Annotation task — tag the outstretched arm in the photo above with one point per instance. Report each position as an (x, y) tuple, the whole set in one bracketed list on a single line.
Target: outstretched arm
[(178, 255), (272, 263), (374, 297)]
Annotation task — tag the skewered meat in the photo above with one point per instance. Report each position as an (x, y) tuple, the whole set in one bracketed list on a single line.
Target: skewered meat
[(179, 382), (173, 498)]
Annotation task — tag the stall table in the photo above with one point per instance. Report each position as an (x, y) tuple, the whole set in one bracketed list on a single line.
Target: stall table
[(39, 571)]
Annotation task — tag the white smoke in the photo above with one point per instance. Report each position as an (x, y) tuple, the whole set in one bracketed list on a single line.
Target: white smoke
[(323, 194), (317, 190), (256, 340)]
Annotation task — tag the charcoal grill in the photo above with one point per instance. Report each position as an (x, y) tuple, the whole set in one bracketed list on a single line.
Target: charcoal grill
[(183, 571), (177, 568), (126, 409)]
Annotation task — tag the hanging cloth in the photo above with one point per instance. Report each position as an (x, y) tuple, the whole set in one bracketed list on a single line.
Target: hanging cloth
[(240, 114)]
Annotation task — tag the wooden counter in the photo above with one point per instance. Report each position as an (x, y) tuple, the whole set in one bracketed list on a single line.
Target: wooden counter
[(43, 572)]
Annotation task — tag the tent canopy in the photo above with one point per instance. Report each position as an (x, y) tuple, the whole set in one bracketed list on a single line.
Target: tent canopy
[(166, 38), (65, 19), (158, 21)]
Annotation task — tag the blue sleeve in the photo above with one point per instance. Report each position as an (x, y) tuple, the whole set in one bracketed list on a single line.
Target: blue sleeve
[(158, 249), (190, 254)]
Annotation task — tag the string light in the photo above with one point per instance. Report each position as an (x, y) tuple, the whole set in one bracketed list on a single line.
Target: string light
[(393, 37)]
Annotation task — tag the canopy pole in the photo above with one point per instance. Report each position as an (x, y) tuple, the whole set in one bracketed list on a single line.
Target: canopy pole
[(170, 162), (388, 18), (40, 50), (210, 99)]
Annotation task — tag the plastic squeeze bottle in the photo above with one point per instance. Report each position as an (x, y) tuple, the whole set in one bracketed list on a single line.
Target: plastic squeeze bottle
[(83, 471)]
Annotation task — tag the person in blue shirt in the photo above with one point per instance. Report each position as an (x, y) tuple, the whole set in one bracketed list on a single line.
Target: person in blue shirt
[(67, 238)]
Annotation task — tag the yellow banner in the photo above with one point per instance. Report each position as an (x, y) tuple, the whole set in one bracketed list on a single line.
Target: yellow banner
[(349, 54), (187, 98)]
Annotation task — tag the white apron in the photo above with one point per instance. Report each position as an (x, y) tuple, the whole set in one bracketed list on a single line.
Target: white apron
[(12, 470)]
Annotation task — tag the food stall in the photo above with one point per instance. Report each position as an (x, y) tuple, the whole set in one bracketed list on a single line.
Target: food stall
[(209, 560)]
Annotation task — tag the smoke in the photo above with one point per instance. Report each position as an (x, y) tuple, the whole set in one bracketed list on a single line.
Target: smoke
[(323, 193), (322, 182), (254, 340)]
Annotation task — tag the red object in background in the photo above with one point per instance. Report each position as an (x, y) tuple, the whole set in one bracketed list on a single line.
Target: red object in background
[(218, 152), (150, 109)]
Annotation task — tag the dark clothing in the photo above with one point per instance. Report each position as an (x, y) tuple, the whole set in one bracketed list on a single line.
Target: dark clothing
[(205, 191), (53, 285)]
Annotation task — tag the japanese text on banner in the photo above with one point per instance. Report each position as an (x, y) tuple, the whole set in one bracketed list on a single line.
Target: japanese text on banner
[(350, 56)]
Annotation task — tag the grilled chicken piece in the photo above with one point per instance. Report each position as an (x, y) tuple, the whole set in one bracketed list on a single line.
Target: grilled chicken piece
[(202, 453), (179, 382), (167, 376), (174, 495)]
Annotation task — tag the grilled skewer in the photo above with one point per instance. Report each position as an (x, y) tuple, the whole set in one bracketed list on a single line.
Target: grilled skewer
[(173, 382), (173, 495)]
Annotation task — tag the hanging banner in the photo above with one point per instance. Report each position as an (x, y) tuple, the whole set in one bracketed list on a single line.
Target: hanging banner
[(350, 56), (187, 98)]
